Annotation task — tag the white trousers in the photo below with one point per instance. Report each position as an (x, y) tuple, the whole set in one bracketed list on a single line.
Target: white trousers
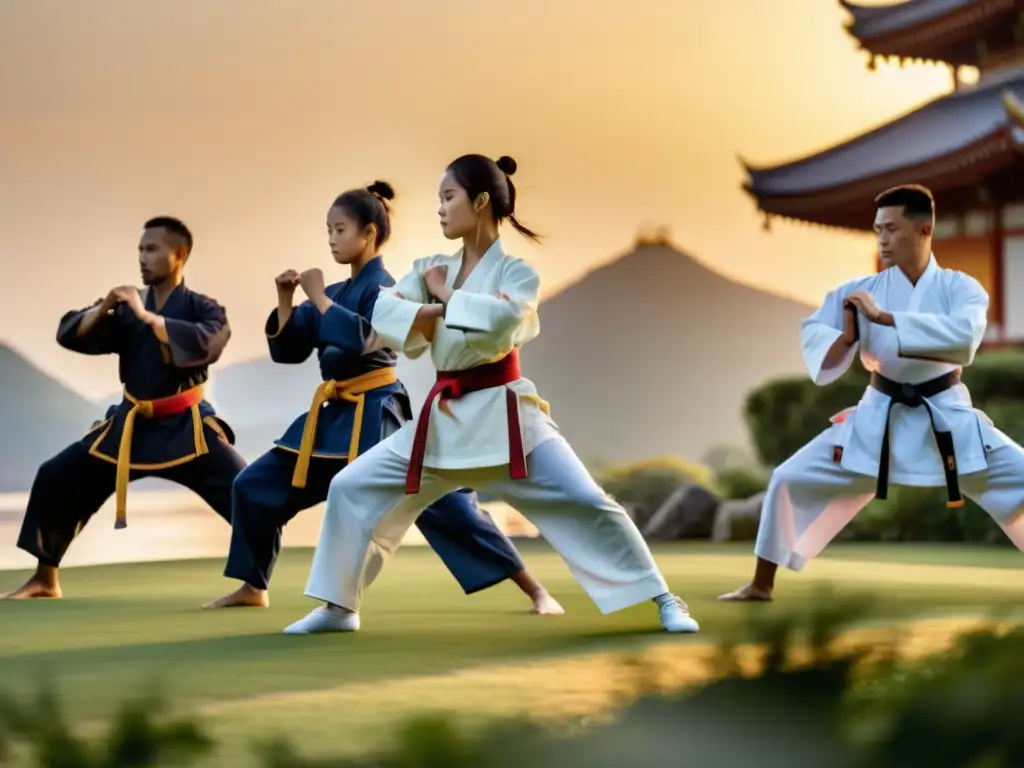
[(811, 498), (368, 513)]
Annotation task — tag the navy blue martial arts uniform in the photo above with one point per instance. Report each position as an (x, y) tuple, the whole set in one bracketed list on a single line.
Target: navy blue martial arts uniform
[(162, 427)]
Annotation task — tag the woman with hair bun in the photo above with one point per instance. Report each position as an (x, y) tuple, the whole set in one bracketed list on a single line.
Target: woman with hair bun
[(483, 425), (359, 402)]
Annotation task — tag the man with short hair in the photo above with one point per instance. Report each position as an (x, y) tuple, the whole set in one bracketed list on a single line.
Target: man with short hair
[(916, 325), (166, 340)]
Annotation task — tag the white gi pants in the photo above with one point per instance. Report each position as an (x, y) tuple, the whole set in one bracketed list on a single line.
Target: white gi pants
[(368, 513), (811, 498)]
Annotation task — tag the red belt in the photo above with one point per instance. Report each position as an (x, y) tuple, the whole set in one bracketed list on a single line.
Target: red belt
[(451, 385)]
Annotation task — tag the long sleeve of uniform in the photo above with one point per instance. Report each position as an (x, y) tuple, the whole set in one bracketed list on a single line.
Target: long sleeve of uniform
[(820, 331), (952, 338), (296, 340), (102, 339), (393, 316), (341, 327), (201, 342), (493, 325)]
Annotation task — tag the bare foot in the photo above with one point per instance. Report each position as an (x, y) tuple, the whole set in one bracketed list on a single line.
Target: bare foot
[(545, 605), (243, 597), (748, 593), (34, 589)]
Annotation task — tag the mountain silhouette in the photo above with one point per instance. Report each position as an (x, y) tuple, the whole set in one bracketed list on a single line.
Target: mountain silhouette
[(39, 416), (655, 353)]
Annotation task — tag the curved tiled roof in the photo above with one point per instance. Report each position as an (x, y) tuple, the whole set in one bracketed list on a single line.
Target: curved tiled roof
[(931, 132), (875, 20)]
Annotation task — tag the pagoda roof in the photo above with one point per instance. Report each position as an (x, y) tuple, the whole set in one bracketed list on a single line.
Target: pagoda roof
[(944, 143), (877, 20), (936, 30)]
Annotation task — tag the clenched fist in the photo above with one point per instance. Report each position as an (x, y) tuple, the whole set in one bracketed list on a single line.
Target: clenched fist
[(287, 281), (312, 282)]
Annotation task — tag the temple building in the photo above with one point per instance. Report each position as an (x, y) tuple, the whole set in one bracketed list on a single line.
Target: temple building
[(966, 146)]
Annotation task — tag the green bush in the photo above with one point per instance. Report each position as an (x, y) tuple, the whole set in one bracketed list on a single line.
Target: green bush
[(783, 414), (646, 485), (138, 736), (921, 514), (743, 529), (741, 482)]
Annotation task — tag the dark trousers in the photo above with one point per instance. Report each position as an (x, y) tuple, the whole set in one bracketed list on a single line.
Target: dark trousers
[(73, 485), (465, 537)]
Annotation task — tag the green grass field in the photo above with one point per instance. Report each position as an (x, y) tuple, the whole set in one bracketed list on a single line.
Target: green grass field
[(122, 629)]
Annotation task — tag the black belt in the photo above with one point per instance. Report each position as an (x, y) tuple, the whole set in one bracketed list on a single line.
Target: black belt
[(912, 396)]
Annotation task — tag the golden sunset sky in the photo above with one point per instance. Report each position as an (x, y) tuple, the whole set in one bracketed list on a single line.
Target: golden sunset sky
[(246, 117)]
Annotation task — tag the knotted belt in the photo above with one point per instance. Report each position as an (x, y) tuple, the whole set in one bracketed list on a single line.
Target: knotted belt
[(451, 385), (913, 396), (151, 409), (354, 391)]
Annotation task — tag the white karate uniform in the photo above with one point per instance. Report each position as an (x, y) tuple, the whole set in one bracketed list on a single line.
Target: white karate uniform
[(368, 512), (939, 324)]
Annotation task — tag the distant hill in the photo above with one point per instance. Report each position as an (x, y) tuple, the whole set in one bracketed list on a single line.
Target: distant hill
[(651, 354), (655, 354), (38, 417)]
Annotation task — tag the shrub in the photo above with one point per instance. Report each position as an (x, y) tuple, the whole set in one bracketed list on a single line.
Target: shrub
[(921, 514), (137, 738), (646, 485), (783, 414), (741, 482)]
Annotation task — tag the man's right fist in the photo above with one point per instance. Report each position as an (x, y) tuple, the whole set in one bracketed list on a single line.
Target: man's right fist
[(287, 281), (113, 298)]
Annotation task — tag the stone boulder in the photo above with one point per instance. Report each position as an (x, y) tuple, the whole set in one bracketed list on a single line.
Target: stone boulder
[(689, 513)]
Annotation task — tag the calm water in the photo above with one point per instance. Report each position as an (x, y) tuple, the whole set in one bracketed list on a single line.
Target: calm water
[(176, 525)]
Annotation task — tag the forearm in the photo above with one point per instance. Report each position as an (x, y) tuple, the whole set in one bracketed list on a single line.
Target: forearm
[(158, 324), (837, 353), (90, 318), (444, 294), (426, 318), (284, 310)]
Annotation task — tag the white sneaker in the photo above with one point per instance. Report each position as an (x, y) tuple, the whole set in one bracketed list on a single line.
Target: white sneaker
[(675, 616), (324, 619)]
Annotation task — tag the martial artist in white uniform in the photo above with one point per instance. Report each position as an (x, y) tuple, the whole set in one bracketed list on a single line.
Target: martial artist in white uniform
[(487, 428), (915, 325)]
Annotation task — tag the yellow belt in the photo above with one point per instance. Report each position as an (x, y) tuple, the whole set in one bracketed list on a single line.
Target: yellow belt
[(354, 391), (164, 406)]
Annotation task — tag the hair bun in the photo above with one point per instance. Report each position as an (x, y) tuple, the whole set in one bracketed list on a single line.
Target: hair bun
[(506, 164), (382, 190)]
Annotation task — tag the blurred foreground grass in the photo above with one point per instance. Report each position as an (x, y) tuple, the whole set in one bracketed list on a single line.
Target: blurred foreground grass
[(427, 651)]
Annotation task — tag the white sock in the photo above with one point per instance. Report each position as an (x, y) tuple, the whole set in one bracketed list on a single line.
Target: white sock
[(664, 598)]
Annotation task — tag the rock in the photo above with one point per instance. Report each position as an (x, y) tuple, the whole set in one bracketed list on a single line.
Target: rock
[(689, 513), (736, 517)]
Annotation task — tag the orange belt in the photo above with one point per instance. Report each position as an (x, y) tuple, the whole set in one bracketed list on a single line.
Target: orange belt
[(150, 409), (354, 391)]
